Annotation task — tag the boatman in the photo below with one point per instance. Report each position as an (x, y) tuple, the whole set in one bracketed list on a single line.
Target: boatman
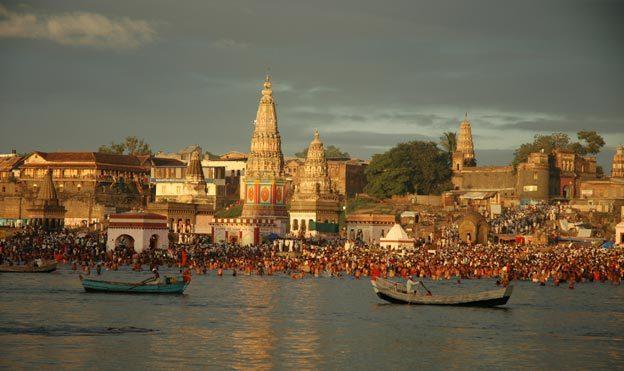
[(410, 285)]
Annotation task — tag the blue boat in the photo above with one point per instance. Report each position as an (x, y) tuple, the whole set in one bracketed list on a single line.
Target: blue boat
[(166, 285)]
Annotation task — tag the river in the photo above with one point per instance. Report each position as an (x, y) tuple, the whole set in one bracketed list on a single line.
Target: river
[(47, 320)]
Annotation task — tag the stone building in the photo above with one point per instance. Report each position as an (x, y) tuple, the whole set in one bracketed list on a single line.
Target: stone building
[(463, 156), (368, 228), (90, 185), (264, 208), (315, 207), (474, 228), (543, 176), (348, 176), (533, 178), (617, 166), (46, 211)]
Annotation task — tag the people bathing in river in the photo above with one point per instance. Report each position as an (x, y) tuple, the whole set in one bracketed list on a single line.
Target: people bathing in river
[(504, 261)]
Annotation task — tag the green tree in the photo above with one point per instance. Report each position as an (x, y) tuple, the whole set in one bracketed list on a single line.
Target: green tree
[(331, 151), (413, 167), (590, 143), (448, 142), (130, 146)]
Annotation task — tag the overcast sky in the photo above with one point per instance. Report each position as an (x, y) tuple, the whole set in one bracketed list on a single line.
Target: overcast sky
[(367, 74)]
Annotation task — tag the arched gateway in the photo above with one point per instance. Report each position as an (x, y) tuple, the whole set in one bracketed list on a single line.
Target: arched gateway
[(138, 230)]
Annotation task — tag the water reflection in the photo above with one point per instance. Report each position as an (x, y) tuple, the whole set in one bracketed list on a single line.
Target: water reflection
[(275, 322)]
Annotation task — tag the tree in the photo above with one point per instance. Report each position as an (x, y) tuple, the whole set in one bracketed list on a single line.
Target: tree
[(130, 146), (331, 151), (413, 167), (590, 143), (448, 141)]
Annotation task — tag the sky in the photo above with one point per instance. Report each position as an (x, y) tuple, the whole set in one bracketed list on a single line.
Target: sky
[(367, 74)]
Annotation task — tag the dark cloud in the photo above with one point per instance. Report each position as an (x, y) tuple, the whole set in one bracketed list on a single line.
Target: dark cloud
[(359, 70)]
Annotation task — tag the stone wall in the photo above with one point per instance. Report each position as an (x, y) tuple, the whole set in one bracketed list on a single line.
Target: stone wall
[(488, 178)]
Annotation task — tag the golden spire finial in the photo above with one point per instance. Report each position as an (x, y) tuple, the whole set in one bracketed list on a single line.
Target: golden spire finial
[(316, 134)]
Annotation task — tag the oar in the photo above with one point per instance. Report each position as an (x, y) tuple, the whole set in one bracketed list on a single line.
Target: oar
[(143, 282), (424, 287)]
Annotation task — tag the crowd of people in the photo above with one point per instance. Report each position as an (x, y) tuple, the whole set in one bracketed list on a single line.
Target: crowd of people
[(568, 263)]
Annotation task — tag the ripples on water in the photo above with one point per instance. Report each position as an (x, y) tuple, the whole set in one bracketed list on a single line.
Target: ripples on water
[(243, 322)]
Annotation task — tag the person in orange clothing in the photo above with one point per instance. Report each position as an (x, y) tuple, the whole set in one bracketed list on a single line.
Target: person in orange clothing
[(186, 276)]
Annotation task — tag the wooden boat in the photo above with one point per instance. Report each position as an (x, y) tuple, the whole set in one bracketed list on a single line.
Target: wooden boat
[(166, 285), (395, 292), (28, 268)]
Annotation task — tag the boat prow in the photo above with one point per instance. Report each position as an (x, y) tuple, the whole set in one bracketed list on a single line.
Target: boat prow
[(396, 293)]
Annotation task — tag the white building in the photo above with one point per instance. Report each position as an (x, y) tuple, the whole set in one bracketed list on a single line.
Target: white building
[(397, 239), (138, 230)]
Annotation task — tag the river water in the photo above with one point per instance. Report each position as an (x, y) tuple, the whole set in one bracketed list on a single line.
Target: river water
[(47, 320)]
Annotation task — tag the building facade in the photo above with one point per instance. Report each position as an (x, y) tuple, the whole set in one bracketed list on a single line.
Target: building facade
[(89, 185), (315, 206)]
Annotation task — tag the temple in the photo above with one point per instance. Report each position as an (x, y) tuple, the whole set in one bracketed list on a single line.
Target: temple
[(47, 212), (315, 206), (264, 174), (265, 190)]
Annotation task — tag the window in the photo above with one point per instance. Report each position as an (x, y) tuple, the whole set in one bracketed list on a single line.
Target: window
[(535, 175), (295, 225)]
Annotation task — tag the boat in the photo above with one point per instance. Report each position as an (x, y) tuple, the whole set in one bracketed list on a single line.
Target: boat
[(167, 285), (395, 292), (45, 267)]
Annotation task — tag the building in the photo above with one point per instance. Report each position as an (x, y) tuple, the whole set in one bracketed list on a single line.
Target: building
[(541, 177), (184, 196), (183, 155), (265, 188), (397, 239), (46, 211), (619, 229), (177, 181), (90, 185), (139, 231), (617, 166), (474, 228), (348, 176), (315, 207), (264, 208), (234, 164), (368, 228)]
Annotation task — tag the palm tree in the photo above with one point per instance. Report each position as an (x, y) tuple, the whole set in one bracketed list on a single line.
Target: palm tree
[(448, 141)]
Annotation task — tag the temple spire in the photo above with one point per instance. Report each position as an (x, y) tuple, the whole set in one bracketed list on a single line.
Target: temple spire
[(266, 158), (47, 191), (464, 139), (194, 170)]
